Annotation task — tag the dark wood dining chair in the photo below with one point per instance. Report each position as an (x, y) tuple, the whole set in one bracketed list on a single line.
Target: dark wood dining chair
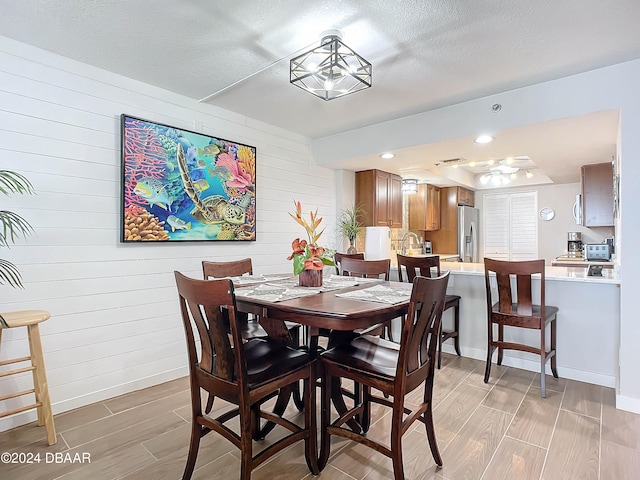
[(250, 326), (236, 268), (241, 372), (427, 267), (355, 267), (395, 370), (514, 307), (339, 256)]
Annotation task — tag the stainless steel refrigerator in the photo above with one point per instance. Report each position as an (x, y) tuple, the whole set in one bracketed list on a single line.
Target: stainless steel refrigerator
[(468, 234)]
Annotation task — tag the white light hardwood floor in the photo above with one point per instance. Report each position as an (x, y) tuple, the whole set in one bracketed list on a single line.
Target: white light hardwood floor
[(501, 430)]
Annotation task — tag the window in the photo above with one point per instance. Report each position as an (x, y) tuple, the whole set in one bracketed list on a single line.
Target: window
[(511, 226)]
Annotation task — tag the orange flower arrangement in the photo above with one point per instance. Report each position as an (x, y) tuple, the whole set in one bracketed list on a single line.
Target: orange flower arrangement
[(309, 255)]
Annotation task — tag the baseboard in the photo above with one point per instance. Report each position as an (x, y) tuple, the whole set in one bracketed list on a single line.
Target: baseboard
[(533, 366), (629, 404), (93, 397)]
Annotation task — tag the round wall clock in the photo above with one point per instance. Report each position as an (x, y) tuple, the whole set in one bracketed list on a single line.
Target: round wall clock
[(547, 213)]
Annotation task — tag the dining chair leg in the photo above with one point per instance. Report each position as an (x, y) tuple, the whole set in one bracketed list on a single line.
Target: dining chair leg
[(365, 421), (500, 340), (194, 444), (297, 397), (487, 368), (396, 445), (554, 358), (325, 416), (209, 406), (543, 361), (456, 326), (431, 435), (246, 452), (440, 346), (310, 423)]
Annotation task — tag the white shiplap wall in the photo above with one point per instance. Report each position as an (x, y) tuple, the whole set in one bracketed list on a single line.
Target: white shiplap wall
[(115, 323)]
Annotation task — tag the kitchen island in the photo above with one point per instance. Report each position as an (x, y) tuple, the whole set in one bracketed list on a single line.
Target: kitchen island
[(588, 325)]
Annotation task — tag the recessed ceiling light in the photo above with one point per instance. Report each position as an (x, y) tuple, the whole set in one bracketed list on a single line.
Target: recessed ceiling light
[(484, 139), (387, 155)]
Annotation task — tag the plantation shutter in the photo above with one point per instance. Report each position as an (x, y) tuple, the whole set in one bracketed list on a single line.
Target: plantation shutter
[(511, 226)]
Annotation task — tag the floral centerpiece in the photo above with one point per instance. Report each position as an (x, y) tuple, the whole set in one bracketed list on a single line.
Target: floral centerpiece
[(308, 257)]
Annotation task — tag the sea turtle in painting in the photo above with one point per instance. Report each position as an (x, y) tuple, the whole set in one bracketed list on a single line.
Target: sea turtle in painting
[(211, 209)]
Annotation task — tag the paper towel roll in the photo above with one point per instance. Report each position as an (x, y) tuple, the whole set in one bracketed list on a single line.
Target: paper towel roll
[(377, 243)]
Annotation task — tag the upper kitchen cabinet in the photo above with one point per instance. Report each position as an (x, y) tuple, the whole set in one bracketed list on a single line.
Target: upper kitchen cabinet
[(597, 195), (380, 196), (466, 197), (424, 208)]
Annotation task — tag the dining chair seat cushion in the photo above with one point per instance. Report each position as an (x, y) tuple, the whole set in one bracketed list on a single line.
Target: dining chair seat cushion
[(451, 300), (367, 353), (267, 360), (524, 320), (253, 329)]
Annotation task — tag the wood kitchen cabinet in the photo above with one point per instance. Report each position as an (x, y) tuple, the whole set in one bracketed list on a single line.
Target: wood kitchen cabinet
[(379, 194), (424, 208), (446, 238), (466, 197), (597, 195)]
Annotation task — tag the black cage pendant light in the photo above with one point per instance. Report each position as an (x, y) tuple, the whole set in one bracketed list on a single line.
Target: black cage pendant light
[(331, 70)]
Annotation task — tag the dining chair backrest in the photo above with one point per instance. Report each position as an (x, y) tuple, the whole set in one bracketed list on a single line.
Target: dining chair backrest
[(423, 266), (517, 297), (366, 268), (420, 332), (234, 268), (201, 304), (339, 256)]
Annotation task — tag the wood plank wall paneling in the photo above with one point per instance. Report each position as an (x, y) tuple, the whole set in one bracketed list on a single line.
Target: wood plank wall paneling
[(115, 324)]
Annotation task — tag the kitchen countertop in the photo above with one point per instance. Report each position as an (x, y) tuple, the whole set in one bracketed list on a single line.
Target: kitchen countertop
[(578, 261), (569, 274)]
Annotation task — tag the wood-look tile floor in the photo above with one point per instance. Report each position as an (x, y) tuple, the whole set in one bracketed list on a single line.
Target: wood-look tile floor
[(501, 430)]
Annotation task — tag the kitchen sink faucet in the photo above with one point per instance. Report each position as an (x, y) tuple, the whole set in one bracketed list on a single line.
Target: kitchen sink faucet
[(406, 237)]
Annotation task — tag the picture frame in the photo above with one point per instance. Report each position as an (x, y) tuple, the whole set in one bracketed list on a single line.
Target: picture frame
[(179, 185)]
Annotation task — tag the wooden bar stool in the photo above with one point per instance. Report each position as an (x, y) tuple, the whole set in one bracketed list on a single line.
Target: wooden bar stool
[(30, 319)]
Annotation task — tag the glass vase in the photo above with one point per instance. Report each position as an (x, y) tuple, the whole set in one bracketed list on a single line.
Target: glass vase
[(352, 246)]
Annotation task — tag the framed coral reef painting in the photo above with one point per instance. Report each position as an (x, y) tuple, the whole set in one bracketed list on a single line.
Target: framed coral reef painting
[(179, 185)]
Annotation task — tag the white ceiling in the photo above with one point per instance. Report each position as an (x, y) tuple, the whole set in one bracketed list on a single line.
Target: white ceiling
[(426, 54)]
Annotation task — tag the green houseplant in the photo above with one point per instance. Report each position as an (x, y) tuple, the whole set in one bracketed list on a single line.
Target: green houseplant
[(12, 225), (349, 226)]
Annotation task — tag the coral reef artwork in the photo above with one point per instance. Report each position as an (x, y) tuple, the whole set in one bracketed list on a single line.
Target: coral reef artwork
[(179, 185)]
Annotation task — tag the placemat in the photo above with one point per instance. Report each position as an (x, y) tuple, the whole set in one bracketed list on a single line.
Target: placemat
[(276, 292), (380, 293)]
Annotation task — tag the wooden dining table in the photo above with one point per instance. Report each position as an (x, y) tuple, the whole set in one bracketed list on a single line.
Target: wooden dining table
[(324, 311)]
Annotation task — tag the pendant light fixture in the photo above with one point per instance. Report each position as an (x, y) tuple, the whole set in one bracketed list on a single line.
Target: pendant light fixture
[(410, 185), (331, 70)]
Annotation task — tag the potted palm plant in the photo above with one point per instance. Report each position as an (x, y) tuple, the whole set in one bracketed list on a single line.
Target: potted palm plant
[(349, 226), (12, 225)]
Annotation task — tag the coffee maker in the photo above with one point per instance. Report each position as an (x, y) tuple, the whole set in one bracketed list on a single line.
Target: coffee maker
[(574, 245)]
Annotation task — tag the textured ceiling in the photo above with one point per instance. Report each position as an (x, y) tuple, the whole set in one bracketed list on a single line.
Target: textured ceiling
[(425, 53)]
